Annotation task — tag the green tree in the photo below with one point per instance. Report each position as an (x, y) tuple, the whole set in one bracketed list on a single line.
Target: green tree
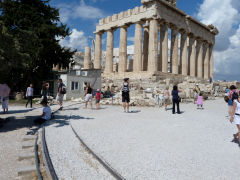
[(29, 44)]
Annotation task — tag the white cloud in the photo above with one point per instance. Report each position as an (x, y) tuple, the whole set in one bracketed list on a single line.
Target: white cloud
[(225, 15), (79, 11), (76, 40)]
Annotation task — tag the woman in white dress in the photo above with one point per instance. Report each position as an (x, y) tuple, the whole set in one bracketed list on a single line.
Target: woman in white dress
[(236, 118)]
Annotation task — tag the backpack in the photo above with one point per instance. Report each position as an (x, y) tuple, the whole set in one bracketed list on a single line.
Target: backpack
[(64, 89), (234, 96), (125, 88)]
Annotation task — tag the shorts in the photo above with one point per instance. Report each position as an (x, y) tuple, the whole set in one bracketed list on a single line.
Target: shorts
[(60, 98), (88, 98), (97, 100), (125, 98), (5, 103), (166, 99), (230, 102), (237, 119)]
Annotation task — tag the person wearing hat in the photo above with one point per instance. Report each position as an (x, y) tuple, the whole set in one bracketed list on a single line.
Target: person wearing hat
[(46, 114), (125, 94), (196, 91), (98, 97)]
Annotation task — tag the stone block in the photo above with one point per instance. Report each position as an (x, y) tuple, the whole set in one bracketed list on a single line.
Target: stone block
[(115, 17), (143, 9), (136, 10), (121, 15), (128, 13), (108, 19), (26, 170), (101, 21)]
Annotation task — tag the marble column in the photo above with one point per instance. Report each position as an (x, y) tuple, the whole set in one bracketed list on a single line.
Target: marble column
[(145, 48), (109, 52), (199, 59), (122, 63), (211, 61), (137, 61), (164, 47), (98, 51), (183, 54), (87, 58), (206, 61), (174, 50), (153, 46), (192, 56)]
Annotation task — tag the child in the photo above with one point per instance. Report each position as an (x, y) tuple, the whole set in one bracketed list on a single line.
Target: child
[(125, 94), (235, 117), (46, 115), (98, 97), (200, 101)]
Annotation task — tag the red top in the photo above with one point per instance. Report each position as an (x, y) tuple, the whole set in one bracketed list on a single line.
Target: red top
[(98, 95)]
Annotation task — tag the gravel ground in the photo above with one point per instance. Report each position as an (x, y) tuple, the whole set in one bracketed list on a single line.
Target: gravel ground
[(70, 159), (153, 144)]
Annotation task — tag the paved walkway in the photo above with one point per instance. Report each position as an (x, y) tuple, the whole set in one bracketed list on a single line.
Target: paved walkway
[(153, 144)]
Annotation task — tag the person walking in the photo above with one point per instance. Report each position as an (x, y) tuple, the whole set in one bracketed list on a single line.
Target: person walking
[(196, 91), (175, 99), (235, 117), (88, 96), (29, 95), (5, 91), (61, 92), (98, 97), (125, 94), (200, 101), (44, 91), (166, 96), (232, 92)]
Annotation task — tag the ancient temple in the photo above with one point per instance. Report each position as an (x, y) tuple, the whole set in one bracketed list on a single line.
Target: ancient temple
[(157, 21)]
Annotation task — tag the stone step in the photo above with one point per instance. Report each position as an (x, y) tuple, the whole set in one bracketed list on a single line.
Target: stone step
[(29, 137), (27, 170), (28, 144), (26, 156)]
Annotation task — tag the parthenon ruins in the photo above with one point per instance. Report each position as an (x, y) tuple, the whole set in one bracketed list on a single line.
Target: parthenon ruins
[(156, 21)]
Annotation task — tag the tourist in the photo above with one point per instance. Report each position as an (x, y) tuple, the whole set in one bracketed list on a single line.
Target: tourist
[(29, 95), (166, 96), (44, 91), (108, 93), (61, 92), (196, 91), (5, 91), (200, 101), (175, 99), (98, 97), (232, 92), (125, 94), (46, 114), (88, 95), (235, 117)]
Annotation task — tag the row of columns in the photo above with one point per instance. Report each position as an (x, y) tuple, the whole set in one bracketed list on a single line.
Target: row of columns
[(196, 59)]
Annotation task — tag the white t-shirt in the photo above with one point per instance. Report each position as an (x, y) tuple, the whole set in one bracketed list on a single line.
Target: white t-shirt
[(47, 111), (29, 91)]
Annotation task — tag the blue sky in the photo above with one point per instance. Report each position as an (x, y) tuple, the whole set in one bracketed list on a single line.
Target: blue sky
[(83, 15)]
